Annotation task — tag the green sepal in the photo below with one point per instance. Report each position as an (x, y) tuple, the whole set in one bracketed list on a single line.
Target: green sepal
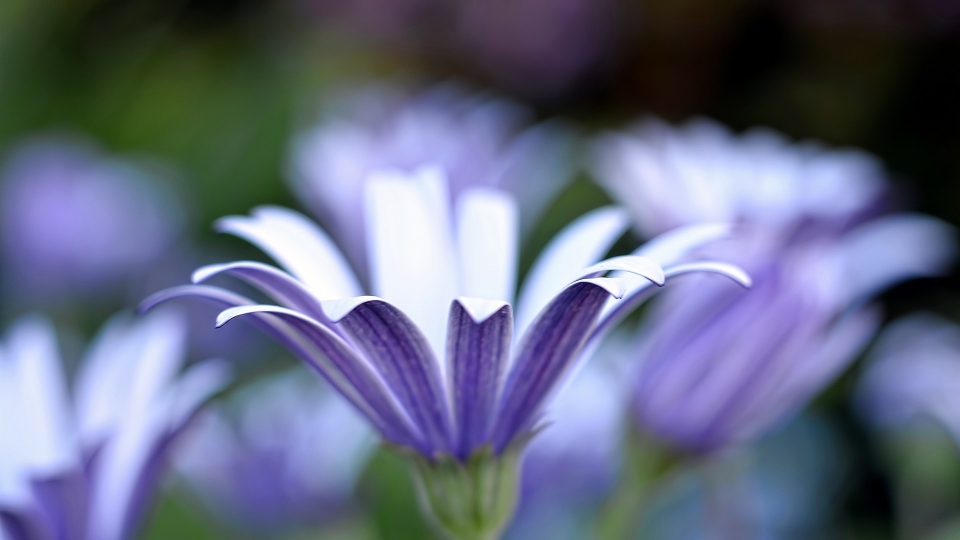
[(468, 500)]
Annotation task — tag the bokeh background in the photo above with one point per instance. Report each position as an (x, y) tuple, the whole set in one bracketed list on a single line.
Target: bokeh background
[(207, 94)]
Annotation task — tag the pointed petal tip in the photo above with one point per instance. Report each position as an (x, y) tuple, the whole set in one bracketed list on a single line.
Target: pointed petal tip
[(338, 308), (480, 309), (152, 301), (634, 264), (206, 272), (229, 314), (226, 223), (731, 271)]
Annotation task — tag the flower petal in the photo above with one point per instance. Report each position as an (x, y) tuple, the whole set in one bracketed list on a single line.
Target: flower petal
[(579, 245), (633, 264), (487, 233), (412, 258), (340, 364), (546, 352), (280, 286), (669, 247), (371, 398), (42, 416), (478, 352), (132, 462), (614, 312), (299, 246), (839, 348), (403, 357), (887, 250)]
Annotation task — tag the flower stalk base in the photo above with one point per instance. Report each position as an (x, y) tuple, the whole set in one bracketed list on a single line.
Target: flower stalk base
[(472, 500)]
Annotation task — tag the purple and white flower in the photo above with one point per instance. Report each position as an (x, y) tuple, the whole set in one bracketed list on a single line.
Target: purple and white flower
[(75, 221), (480, 141), (84, 465), (720, 367), (444, 281), (282, 454)]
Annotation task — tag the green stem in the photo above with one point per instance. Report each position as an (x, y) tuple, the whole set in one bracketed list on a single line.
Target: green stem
[(471, 500)]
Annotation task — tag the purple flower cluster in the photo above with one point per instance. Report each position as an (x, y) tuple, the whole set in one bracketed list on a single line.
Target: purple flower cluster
[(719, 366)]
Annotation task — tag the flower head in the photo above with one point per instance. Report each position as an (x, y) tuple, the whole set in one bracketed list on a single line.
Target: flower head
[(282, 453), (441, 294), (84, 464), (72, 220), (720, 367), (445, 282)]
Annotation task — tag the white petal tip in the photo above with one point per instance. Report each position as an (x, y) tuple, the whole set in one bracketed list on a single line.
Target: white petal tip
[(480, 309), (337, 309), (731, 271), (230, 314), (634, 264), (205, 272)]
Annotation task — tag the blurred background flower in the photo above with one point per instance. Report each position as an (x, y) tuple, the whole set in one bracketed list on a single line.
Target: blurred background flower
[(78, 223), (478, 140), (282, 455), (85, 464), (719, 366)]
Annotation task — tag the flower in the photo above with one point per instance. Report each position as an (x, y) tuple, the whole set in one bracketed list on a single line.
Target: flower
[(84, 465), (75, 221), (282, 454), (913, 372), (478, 140), (444, 291), (719, 367)]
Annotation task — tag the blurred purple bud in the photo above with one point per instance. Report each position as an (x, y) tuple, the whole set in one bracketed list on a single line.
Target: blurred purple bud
[(283, 454), (74, 222)]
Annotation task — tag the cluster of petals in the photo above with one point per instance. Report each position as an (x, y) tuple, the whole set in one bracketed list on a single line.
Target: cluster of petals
[(83, 465), (438, 361), (816, 235)]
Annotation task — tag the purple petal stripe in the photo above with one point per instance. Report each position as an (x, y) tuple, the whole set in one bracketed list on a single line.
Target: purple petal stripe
[(402, 356), (547, 350), (376, 406), (477, 354), (349, 373)]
